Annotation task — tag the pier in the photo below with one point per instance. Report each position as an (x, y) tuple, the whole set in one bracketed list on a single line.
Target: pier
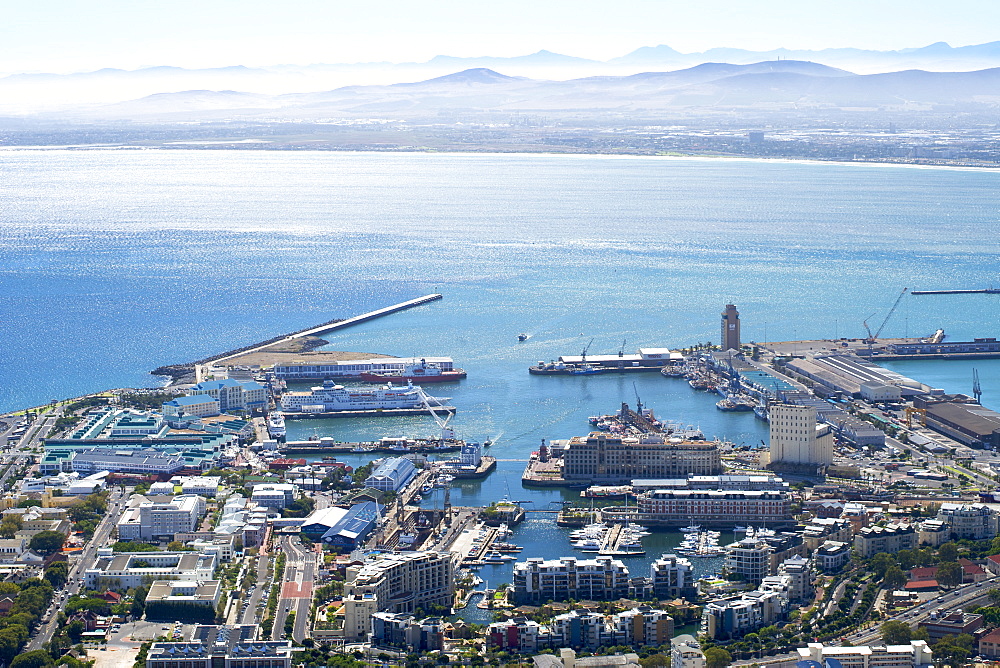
[(985, 291), (372, 413), (365, 317)]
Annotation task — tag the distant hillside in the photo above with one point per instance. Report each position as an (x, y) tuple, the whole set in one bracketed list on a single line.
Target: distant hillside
[(774, 85)]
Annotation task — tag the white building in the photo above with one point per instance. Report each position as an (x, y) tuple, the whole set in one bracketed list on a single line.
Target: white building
[(273, 494), (832, 555), (205, 593), (397, 582), (877, 392), (150, 520), (974, 521), (889, 539), (736, 617), (201, 405), (538, 580), (914, 655), (671, 576), (154, 462), (796, 437), (202, 485), (233, 394), (392, 475), (799, 572), (126, 570), (685, 652)]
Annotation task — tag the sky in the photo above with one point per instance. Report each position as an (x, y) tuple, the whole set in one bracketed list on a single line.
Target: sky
[(82, 35)]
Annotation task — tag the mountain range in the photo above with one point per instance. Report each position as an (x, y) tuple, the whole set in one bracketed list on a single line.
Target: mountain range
[(773, 86)]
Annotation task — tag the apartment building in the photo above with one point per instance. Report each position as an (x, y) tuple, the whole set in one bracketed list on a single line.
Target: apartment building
[(538, 580)]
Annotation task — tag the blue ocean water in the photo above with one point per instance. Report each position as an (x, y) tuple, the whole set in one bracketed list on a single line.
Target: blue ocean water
[(115, 262)]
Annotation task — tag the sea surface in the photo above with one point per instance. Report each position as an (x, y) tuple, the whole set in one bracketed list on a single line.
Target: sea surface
[(114, 262)]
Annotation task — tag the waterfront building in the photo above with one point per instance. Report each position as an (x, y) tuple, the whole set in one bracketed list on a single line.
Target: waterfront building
[(845, 372), (602, 579), (233, 395), (604, 458), (890, 539), (150, 520), (685, 652), (471, 455), (672, 577), (354, 368), (831, 556), (727, 481), (712, 507), (984, 345), (397, 582), (916, 654), (222, 647), (273, 494), (962, 418), (125, 570), (730, 338), (973, 521), (194, 406), (392, 475), (797, 439)]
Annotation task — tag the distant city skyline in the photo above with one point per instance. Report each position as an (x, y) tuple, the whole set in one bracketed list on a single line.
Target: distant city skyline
[(69, 36)]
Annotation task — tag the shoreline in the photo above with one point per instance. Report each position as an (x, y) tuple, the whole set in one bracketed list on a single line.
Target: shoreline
[(921, 163)]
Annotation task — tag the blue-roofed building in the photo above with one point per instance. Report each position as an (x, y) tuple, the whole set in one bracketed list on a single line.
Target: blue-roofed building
[(234, 395), (392, 475), (192, 406), (353, 528)]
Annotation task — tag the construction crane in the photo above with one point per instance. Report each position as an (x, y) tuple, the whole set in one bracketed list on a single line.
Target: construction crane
[(977, 390), (872, 337)]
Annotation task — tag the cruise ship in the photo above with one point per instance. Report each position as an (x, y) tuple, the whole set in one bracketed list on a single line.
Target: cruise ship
[(276, 424), (331, 397)]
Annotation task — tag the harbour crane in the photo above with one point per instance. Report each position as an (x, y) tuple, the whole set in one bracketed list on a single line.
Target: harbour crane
[(977, 390), (621, 351), (583, 355), (446, 432), (872, 337)]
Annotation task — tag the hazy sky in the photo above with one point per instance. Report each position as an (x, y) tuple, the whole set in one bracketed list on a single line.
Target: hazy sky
[(79, 35)]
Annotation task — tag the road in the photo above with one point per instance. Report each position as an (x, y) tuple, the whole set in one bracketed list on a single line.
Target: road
[(956, 599), (32, 439), (252, 612), (78, 565), (296, 588)]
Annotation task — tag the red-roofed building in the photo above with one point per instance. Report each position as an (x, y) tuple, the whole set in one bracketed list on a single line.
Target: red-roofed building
[(971, 572), (993, 564), (989, 644), (924, 573), (921, 585), (285, 464), (111, 596)]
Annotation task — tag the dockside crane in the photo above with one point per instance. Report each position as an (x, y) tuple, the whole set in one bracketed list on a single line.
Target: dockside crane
[(872, 337), (583, 355), (977, 390)]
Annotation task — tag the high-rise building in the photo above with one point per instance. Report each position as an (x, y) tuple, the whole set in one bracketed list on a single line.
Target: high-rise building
[(730, 328), (796, 438)]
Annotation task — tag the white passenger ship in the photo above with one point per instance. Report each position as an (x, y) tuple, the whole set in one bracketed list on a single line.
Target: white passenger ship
[(331, 397)]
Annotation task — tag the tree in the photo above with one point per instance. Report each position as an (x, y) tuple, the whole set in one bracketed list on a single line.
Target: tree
[(880, 563), (57, 574), (37, 658), (949, 574), (716, 657), (895, 633), (948, 552), (10, 526), (46, 542), (655, 661), (894, 578)]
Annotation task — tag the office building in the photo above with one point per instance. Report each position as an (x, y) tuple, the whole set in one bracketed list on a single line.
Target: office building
[(730, 339), (150, 520), (125, 570)]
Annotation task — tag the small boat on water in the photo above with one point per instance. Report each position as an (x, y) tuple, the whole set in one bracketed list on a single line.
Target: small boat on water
[(693, 528), (583, 370), (497, 558), (522, 337)]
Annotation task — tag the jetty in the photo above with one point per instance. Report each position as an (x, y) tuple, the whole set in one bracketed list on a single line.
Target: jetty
[(985, 291), (365, 317)]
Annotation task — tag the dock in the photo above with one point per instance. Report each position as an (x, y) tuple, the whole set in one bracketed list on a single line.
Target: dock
[(365, 317), (611, 543), (985, 291)]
